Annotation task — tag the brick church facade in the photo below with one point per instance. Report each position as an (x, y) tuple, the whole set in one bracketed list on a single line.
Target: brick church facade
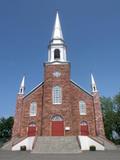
[(58, 106)]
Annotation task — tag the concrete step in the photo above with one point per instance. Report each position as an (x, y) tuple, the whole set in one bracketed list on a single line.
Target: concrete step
[(66, 144), (97, 140), (7, 145)]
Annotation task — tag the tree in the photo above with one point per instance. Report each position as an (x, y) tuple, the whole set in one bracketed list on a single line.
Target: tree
[(111, 117), (117, 111), (108, 115), (6, 125)]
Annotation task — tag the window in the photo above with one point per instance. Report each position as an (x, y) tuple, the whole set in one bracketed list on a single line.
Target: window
[(57, 95), (82, 108), (33, 109), (56, 54), (57, 118), (83, 123)]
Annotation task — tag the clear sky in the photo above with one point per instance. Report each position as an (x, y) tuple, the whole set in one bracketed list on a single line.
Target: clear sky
[(91, 29)]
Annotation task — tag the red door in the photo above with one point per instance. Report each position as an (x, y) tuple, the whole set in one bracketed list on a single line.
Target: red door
[(57, 128), (84, 129), (31, 131)]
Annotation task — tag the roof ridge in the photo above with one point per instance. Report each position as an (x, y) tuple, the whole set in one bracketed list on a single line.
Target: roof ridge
[(34, 89), (81, 87)]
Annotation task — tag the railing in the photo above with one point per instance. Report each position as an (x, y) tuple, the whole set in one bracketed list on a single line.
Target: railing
[(105, 139), (77, 138), (16, 140), (97, 140), (35, 140)]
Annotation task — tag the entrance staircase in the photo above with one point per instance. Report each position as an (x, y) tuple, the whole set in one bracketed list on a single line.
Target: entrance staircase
[(56, 144), (7, 146), (59, 144)]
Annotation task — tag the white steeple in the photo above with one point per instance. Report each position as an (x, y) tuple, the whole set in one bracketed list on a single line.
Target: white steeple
[(57, 47), (22, 86), (57, 31), (93, 84)]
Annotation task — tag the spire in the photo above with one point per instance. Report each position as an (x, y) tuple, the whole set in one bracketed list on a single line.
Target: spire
[(22, 86), (93, 84), (57, 31), (57, 48)]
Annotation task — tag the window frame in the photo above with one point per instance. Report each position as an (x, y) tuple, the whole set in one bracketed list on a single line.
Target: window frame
[(82, 108), (56, 95), (33, 109)]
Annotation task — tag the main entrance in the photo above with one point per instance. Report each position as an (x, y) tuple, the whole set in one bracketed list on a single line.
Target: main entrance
[(57, 126), (32, 130), (84, 128)]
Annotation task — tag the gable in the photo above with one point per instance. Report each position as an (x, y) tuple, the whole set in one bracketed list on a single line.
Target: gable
[(34, 89), (80, 88)]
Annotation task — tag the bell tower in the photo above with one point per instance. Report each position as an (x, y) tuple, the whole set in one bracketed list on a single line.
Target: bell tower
[(57, 47), (56, 77)]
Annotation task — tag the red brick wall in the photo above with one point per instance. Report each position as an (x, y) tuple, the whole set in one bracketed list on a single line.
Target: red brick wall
[(69, 109), (22, 118), (26, 119), (18, 116), (50, 109), (98, 115), (77, 95)]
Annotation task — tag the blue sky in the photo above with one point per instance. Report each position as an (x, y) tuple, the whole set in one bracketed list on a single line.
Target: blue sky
[(91, 29)]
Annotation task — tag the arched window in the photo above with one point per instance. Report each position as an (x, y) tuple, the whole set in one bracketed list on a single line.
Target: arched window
[(82, 108), (33, 109), (57, 95), (83, 123), (57, 118), (56, 54), (32, 124)]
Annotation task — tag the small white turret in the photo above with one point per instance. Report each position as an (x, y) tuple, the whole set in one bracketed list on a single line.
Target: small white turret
[(93, 84), (22, 86)]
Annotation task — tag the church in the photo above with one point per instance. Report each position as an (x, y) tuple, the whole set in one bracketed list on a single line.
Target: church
[(57, 107)]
